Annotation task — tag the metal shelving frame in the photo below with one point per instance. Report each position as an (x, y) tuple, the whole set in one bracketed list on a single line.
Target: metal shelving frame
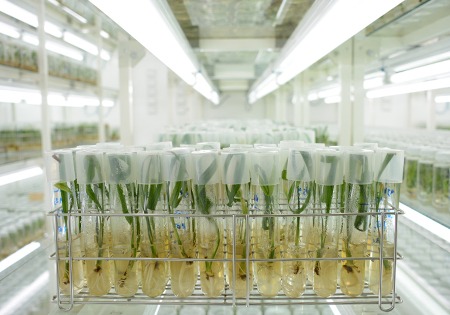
[(66, 302)]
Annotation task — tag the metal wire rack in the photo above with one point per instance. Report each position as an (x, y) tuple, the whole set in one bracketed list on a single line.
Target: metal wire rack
[(385, 303)]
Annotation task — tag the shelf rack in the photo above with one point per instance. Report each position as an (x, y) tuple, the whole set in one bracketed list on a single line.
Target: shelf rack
[(385, 303)]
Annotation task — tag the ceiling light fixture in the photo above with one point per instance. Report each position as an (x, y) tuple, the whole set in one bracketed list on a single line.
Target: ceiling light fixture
[(27, 17), (329, 91), (8, 30), (104, 34), (54, 47), (397, 89), (75, 15), (204, 88), (442, 99), (267, 86), (16, 176), (426, 223), (153, 25), (18, 13), (313, 96), (33, 97), (325, 26), (51, 29), (80, 43), (17, 256), (30, 291), (373, 83), (105, 55), (332, 99), (422, 62), (54, 2), (435, 69), (15, 96), (63, 50), (30, 39)]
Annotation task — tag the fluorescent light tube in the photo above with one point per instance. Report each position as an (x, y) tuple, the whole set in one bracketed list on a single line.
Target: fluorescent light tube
[(80, 43), (32, 97), (54, 47), (269, 85), (426, 223), (19, 255), (29, 18), (105, 55), (13, 177), (18, 13), (8, 30), (53, 29), (26, 294), (442, 99), (104, 34), (83, 100), (332, 99), (373, 83), (397, 89), (108, 103), (152, 24), (326, 25), (422, 62), (79, 100), (202, 86), (334, 309), (75, 15), (57, 99), (54, 2), (313, 96), (423, 72), (63, 50), (329, 92), (30, 39)]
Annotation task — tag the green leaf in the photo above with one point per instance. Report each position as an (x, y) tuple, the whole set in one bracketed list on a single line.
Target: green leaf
[(239, 171), (123, 204), (263, 175), (385, 163), (206, 176), (328, 197), (63, 187), (361, 220), (93, 168), (284, 174), (65, 201), (268, 190), (204, 204), (153, 196), (120, 167), (291, 191), (333, 161), (175, 198), (231, 194), (308, 163), (91, 194), (306, 203)]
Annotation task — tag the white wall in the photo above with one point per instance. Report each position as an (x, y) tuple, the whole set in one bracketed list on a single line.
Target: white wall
[(234, 106), (404, 111), (322, 113), (392, 112), (19, 115), (24, 115), (151, 110), (160, 100)]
